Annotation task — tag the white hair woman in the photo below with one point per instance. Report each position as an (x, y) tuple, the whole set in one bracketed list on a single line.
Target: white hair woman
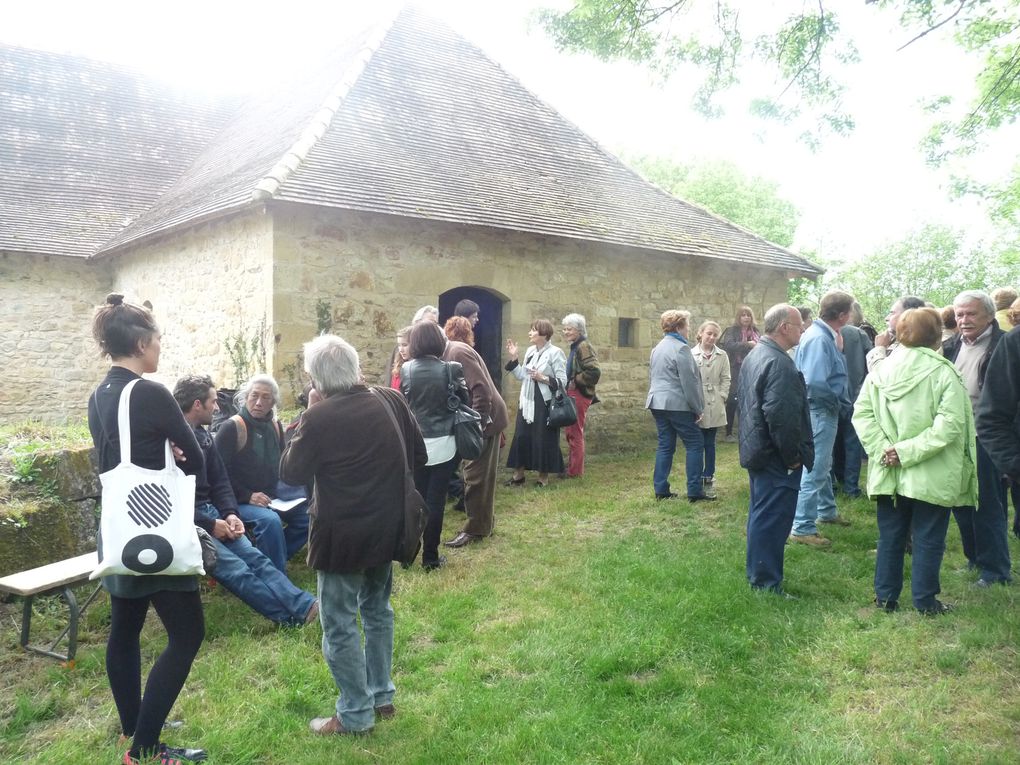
[(250, 444), (583, 373)]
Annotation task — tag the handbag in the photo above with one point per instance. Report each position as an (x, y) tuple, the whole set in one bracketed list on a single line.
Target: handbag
[(562, 410), (147, 522), (467, 423), (412, 524), (209, 553)]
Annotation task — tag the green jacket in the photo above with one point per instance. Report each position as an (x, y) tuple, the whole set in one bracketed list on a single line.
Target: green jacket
[(915, 401)]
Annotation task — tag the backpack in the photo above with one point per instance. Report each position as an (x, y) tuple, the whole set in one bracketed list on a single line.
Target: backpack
[(242, 430)]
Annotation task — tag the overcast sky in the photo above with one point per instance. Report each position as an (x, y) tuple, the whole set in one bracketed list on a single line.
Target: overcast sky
[(854, 194)]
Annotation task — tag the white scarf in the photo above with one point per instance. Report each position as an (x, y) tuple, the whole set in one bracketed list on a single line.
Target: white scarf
[(526, 402)]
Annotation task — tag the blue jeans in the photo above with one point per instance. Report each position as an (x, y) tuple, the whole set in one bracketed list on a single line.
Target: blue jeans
[(249, 574), (816, 500), (709, 435), (671, 424), (361, 674), (769, 520), (853, 455), (984, 532), (276, 540), (927, 525)]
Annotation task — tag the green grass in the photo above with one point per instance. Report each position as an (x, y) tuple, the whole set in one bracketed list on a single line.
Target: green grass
[(596, 626)]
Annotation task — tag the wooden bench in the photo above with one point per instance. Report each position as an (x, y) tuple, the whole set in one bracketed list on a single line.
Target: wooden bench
[(53, 578)]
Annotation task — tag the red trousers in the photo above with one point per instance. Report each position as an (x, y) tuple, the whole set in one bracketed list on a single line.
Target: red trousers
[(575, 434)]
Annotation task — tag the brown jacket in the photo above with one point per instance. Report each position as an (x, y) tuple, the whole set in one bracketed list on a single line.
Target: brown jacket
[(347, 443), (485, 398)]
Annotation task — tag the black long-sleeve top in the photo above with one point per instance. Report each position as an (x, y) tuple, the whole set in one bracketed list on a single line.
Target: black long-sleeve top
[(213, 487), (154, 417)]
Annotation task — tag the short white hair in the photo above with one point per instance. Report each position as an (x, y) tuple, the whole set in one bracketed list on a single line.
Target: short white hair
[(419, 315), (259, 379), (332, 363), (981, 296), (576, 321)]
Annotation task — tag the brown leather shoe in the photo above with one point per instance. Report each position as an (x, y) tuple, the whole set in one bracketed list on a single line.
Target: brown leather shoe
[(463, 539), (313, 613), (386, 712), (331, 726)]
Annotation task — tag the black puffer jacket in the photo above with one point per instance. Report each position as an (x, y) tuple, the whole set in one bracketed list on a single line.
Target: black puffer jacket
[(425, 385), (775, 426)]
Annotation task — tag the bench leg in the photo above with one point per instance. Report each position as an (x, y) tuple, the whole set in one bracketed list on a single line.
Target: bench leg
[(70, 631)]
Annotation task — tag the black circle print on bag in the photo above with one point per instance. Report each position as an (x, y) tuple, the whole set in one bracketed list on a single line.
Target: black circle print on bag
[(149, 505), (147, 554)]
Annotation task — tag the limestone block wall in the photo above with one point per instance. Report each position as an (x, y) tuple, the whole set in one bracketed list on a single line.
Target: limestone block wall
[(48, 360), (363, 275), (207, 285)]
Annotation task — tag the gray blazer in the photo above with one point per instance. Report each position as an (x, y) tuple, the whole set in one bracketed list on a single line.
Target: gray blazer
[(674, 379)]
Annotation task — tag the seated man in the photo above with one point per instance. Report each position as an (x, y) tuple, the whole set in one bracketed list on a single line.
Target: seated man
[(240, 567), (250, 444)]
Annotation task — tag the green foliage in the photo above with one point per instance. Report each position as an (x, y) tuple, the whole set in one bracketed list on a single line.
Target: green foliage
[(247, 352), (25, 471), (324, 315), (751, 202), (934, 263)]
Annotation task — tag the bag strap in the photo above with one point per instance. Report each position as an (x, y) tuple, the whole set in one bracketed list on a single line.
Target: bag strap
[(242, 431), (124, 429)]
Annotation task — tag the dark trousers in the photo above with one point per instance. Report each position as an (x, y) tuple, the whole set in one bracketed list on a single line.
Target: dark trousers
[(769, 522), (142, 715), (983, 531), (900, 519), (432, 482), (480, 489)]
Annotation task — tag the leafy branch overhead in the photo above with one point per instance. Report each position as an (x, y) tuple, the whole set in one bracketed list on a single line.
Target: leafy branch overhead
[(805, 52)]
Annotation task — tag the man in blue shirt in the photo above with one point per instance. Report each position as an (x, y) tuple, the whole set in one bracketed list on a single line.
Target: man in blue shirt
[(820, 359)]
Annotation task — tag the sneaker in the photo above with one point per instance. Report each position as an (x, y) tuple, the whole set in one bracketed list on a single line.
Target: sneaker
[(164, 756), (702, 498), (708, 488), (985, 584), (939, 609), (812, 540), (837, 520), (730, 438), (190, 755)]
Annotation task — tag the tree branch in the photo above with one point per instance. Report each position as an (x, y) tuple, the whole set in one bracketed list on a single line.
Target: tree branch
[(929, 30), (814, 53)]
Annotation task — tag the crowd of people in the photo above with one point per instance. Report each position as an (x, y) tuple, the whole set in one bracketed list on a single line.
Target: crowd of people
[(930, 403)]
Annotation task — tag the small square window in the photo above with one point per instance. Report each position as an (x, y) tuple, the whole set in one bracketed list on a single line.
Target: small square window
[(627, 333)]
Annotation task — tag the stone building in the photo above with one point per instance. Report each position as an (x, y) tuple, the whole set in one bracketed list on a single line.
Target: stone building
[(406, 168)]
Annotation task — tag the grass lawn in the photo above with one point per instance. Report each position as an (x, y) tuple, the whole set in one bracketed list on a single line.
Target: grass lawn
[(596, 626)]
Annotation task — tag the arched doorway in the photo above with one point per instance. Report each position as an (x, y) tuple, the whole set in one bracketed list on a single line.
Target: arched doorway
[(488, 331)]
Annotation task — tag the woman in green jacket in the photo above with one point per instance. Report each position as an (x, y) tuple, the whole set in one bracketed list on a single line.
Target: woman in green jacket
[(915, 422)]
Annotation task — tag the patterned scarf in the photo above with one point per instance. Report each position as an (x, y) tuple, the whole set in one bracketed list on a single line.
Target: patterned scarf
[(528, 386)]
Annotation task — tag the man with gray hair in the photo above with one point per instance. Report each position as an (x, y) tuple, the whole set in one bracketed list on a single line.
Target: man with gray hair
[(820, 360), (356, 443), (775, 443), (983, 531)]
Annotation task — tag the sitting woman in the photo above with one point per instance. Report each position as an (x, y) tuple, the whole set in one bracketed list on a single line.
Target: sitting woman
[(714, 365), (737, 340), (425, 381), (914, 419), (536, 446), (250, 444)]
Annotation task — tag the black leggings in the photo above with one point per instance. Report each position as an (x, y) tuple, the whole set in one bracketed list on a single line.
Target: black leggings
[(142, 716)]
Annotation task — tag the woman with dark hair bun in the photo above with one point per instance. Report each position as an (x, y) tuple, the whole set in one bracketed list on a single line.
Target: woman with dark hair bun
[(129, 336)]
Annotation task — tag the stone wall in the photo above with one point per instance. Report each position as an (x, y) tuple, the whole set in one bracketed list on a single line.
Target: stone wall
[(49, 360), (366, 274), (207, 285)]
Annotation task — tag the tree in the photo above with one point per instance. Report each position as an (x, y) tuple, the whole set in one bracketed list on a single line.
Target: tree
[(751, 202), (805, 51)]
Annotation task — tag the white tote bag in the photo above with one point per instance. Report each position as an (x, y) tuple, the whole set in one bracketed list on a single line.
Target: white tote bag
[(148, 516)]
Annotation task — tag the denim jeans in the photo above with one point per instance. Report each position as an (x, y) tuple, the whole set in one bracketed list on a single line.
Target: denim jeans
[(816, 500), (361, 674), (432, 482), (853, 456), (249, 574), (769, 520), (670, 424), (278, 541), (984, 532), (709, 435), (897, 522)]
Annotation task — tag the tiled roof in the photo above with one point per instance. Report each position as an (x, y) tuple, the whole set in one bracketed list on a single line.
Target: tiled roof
[(409, 119), (85, 147)]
